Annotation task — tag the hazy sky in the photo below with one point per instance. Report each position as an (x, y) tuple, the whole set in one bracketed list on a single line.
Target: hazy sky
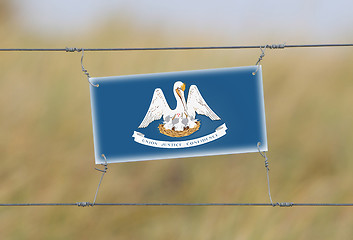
[(319, 21)]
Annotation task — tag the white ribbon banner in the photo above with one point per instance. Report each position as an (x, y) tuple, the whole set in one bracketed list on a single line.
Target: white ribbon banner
[(219, 132)]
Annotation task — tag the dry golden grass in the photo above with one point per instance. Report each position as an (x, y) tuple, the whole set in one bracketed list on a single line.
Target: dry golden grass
[(46, 148)]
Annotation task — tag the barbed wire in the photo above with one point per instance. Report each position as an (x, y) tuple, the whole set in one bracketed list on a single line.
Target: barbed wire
[(268, 46)]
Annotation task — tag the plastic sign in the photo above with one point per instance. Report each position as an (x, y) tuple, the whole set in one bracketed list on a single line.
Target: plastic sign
[(178, 114)]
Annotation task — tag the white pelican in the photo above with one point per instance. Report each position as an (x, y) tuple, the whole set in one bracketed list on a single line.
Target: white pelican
[(184, 114)]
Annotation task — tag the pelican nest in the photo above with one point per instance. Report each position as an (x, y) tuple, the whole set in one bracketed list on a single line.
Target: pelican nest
[(172, 133)]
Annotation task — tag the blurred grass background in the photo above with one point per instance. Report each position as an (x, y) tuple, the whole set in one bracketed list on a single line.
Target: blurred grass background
[(46, 145)]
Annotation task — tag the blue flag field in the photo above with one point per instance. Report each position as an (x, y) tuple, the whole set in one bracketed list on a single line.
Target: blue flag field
[(178, 114)]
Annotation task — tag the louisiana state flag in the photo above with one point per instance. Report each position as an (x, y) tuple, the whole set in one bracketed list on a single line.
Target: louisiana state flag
[(178, 114)]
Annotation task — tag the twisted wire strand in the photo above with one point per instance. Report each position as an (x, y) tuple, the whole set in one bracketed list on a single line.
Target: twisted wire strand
[(269, 46), (263, 154), (88, 204), (82, 67), (262, 55), (104, 171)]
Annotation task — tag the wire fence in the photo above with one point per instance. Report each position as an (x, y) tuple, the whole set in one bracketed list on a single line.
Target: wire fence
[(92, 204)]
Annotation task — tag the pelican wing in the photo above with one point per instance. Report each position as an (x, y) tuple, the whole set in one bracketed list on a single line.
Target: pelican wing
[(157, 109), (196, 103)]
